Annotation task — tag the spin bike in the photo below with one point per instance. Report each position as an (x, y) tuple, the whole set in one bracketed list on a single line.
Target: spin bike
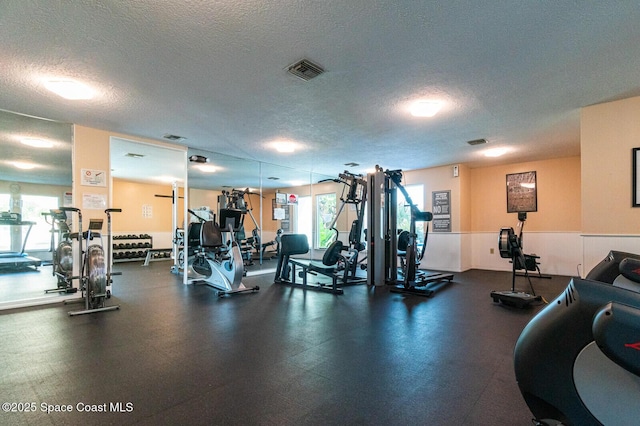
[(95, 277), (62, 253)]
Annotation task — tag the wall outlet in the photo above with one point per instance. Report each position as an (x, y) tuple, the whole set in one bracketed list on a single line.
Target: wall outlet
[(491, 250)]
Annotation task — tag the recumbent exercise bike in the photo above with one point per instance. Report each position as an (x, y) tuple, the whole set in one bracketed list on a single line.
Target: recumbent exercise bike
[(217, 263)]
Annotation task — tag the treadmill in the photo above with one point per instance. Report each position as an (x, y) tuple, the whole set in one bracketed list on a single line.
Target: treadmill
[(14, 260)]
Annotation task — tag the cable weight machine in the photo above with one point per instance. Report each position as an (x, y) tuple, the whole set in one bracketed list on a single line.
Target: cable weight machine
[(382, 241)]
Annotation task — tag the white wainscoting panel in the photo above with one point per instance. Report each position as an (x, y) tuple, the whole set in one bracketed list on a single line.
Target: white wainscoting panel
[(596, 247), (560, 252)]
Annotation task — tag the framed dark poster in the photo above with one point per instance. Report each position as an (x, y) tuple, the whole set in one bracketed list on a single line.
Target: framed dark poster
[(522, 195), (636, 176)]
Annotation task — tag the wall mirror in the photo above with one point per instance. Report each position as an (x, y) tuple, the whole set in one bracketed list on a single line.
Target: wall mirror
[(35, 176), (146, 180)]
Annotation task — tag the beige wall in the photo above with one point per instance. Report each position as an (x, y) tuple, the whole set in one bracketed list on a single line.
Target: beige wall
[(91, 151), (558, 183), (442, 179), (608, 133), (132, 197)]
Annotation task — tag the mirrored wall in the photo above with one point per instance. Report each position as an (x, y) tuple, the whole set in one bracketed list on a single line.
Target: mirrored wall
[(35, 176), (275, 200)]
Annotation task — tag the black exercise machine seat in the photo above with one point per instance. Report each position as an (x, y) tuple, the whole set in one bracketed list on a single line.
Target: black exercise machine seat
[(210, 235), (333, 254), (293, 244)]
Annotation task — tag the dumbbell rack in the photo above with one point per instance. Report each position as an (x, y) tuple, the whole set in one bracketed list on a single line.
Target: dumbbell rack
[(131, 247)]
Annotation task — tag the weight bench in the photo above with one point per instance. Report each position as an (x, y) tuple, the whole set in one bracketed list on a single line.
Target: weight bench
[(295, 244)]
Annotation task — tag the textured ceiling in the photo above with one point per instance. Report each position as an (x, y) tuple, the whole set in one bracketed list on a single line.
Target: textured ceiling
[(515, 73)]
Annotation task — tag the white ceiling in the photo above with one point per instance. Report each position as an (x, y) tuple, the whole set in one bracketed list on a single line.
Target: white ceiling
[(515, 73)]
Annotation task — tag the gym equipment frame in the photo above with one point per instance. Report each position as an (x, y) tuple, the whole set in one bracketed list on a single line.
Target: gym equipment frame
[(13, 259), (215, 263), (95, 278), (382, 268), (61, 253), (510, 247)]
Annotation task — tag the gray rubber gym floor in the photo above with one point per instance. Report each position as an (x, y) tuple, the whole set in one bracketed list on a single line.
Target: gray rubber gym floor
[(176, 354)]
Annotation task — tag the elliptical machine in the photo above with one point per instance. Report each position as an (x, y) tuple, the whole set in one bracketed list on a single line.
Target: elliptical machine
[(61, 253), (578, 361), (95, 277)]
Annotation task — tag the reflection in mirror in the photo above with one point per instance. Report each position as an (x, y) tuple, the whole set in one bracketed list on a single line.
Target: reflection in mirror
[(249, 186), (35, 176), (217, 182), (145, 179)]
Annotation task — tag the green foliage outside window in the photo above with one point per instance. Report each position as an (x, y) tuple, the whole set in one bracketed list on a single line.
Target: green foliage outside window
[(326, 211)]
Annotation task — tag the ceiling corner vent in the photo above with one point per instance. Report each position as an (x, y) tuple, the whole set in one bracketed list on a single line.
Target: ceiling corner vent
[(477, 142), (305, 69)]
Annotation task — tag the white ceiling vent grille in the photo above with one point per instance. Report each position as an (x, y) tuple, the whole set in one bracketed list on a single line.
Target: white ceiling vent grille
[(305, 69)]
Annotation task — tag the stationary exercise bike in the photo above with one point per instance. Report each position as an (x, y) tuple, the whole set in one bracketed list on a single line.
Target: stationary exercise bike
[(578, 361), (61, 253), (217, 263), (95, 277)]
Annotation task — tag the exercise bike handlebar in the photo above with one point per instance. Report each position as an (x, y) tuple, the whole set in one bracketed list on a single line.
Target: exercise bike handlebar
[(107, 211)]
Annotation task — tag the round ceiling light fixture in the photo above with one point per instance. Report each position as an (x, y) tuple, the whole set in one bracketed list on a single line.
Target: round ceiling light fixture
[(425, 108), (284, 146), (495, 152)]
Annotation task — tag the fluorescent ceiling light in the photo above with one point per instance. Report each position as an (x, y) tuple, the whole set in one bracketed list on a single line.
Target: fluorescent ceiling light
[(69, 89), (298, 183), (425, 108), (37, 143), (495, 152), (284, 146), (23, 166), (206, 168)]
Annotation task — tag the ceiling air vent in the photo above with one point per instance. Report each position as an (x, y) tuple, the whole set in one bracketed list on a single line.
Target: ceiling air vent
[(174, 138), (477, 142), (273, 178), (132, 155), (352, 164), (305, 69)]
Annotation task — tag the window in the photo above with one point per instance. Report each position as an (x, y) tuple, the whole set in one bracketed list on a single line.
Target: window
[(416, 192), (304, 217), (32, 208), (5, 231), (325, 212)]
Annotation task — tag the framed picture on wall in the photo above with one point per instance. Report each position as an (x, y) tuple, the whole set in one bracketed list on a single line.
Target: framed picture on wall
[(636, 176), (522, 192)]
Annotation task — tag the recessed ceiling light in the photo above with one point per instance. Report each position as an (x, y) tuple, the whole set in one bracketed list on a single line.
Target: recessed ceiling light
[(425, 108), (495, 152), (69, 89), (284, 146), (23, 166), (37, 143)]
